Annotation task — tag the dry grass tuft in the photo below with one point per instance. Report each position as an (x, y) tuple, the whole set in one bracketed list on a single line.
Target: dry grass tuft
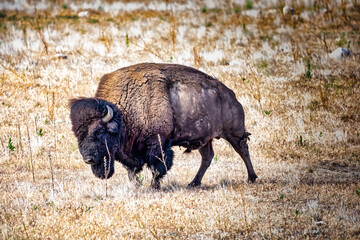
[(36, 25), (197, 58), (172, 31), (107, 40)]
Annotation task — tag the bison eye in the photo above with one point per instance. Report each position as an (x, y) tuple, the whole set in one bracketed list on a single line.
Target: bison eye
[(99, 132)]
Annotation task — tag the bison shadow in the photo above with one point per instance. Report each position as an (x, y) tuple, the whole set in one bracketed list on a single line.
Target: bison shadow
[(174, 186)]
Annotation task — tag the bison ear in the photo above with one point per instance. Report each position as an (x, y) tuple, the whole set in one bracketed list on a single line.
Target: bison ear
[(112, 127)]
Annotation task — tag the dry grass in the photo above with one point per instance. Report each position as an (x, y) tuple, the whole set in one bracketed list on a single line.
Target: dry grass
[(302, 109)]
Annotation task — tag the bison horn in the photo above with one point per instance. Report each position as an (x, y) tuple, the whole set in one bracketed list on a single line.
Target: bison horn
[(109, 114)]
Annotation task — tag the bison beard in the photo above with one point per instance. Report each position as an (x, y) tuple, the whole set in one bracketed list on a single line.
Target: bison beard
[(139, 112), (106, 168), (99, 170)]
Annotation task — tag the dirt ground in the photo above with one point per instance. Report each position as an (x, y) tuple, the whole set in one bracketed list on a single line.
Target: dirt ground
[(301, 104)]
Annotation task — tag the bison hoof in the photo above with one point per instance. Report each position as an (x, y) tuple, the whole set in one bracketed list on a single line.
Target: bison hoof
[(252, 178), (193, 185), (155, 185)]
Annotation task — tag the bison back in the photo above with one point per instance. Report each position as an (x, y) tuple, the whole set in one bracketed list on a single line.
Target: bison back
[(171, 100)]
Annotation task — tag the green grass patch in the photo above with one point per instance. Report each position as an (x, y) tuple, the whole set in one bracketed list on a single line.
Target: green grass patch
[(10, 144), (93, 20), (342, 42), (13, 18), (249, 4), (3, 26), (68, 17), (237, 9)]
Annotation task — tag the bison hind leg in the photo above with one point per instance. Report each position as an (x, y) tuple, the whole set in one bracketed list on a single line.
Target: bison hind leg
[(160, 162), (241, 147), (207, 154)]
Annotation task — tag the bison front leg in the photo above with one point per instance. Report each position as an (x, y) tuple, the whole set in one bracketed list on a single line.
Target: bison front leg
[(160, 161), (159, 170), (207, 154)]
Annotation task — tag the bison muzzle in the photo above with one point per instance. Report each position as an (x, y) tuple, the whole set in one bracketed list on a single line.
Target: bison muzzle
[(139, 112)]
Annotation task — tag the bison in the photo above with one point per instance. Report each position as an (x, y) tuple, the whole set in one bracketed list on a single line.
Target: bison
[(139, 112)]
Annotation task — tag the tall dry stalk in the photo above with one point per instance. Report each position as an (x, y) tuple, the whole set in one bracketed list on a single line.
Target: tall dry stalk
[(323, 39), (172, 31), (106, 170), (24, 226), (51, 107), (162, 156), (51, 171), (106, 186), (197, 58), (2, 145), (162, 152), (24, 27), (253, 91), (295, 50), (323, 97), (244, 209), (31, 160), (343, 7), (3, 79), (269, 221), (107, 40), (19, 148), (37, 28), (13, 71), (285, 225), (54, 126), (19, 133), (35, 123), (147, 48)]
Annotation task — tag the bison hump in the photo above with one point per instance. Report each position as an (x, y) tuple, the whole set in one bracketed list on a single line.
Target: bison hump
[(142, 94)]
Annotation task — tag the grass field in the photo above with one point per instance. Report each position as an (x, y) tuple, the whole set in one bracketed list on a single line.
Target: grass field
[(302, 108)]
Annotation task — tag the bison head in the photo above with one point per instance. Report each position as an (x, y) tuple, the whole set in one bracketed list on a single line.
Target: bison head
[(97, 125)]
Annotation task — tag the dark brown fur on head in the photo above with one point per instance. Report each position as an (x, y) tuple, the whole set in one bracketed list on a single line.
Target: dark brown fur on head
[(98, 141)]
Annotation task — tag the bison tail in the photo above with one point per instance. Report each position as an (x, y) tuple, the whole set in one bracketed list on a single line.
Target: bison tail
[(244, 138)]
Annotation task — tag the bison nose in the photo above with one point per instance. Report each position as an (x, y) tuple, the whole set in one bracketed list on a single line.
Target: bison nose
[(90, 161)]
